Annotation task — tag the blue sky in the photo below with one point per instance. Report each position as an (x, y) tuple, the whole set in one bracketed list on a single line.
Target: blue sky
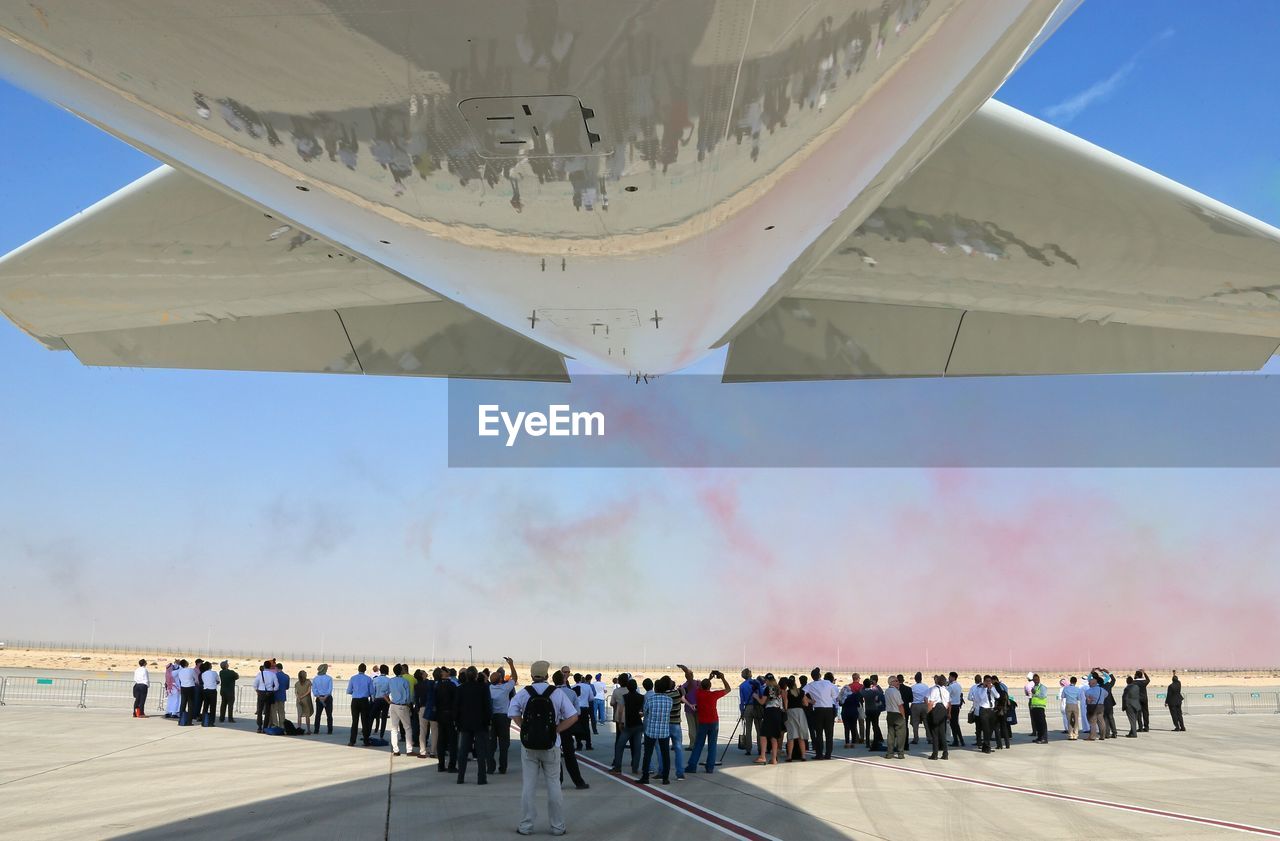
[(334, 490)]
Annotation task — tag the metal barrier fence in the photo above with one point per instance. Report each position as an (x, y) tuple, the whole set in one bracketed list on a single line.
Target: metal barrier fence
[(118, 694)]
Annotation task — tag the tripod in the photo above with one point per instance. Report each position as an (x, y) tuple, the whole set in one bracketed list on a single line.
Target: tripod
[(732, 733)]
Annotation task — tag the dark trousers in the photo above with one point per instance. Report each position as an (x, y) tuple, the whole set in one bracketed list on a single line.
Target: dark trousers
[(360, 718), (1039, 724), (824, 727), (227, 710), (569, 761), (379, 711), (897, 732), (1134, 715), (414, 720), (468, 739), (628, 736), (500, 742), (813, 728), (140, 699), (263, 713), (208, 703), (957, 737), (190, 702), (1175, 713), (1109, 714), (664, 744), (1145, 717), (324, 705), (987, 725), (936, 726), (446, 741), (873, 721)]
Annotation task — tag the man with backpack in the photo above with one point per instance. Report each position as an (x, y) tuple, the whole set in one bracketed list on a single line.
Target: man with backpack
[(542, 713)]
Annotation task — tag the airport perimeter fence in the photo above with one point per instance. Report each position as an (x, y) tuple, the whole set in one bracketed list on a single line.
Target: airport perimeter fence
[(118, 694)]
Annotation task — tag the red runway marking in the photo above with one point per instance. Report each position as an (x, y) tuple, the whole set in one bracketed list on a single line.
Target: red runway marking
[(1107, 804), (725, 824)]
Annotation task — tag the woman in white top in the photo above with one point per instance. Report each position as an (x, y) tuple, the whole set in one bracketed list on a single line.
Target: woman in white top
[(938, 713)]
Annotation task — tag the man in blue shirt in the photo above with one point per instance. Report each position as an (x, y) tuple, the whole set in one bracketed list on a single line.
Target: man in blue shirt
[(322, 691), (1072, 695), (397, 699), (282, 694), (1095, 700), (748, 710), (360, 688)]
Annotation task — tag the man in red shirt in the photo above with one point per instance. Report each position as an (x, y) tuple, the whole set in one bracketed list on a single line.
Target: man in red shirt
[(708, 723)]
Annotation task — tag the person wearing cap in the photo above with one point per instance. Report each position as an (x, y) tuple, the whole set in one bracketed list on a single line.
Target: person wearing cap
[(542, 765), (501, 691), (322, 692), (141, 683), (227, 678), (600, 688)]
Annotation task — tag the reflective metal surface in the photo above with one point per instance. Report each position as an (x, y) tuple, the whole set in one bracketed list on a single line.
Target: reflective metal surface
[(739, 132)]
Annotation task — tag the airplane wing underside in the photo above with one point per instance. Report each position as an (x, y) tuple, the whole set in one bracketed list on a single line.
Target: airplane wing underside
[(172, 273), (1017, 248)]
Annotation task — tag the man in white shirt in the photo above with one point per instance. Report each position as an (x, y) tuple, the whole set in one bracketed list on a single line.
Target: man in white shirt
[(919, 699), (265, 686), (538, 762), (141, 683), (822, 699), (982, 696), (586, 695), (938, 702), (956, 693), (599, 689), (208, 694), (186, 678)]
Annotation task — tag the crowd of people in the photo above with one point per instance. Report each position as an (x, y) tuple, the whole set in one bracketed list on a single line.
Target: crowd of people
[(458, 715)]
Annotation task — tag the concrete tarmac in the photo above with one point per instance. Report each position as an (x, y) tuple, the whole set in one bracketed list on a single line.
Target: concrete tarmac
[(69, 773)]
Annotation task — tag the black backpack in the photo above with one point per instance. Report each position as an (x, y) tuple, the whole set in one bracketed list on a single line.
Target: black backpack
[(538, 722)]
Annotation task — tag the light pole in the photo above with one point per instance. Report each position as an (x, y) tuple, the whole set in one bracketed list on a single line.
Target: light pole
[(472, 652)]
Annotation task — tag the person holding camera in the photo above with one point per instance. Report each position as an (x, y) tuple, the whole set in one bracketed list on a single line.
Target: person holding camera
[(708, 722)]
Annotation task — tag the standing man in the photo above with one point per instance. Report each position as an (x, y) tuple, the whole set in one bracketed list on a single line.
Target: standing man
[(471, 708), (568, 749), (896, 715), (1108, 683), (1144, 721), (264, 685), (872, 707), (1132, 703), (398, 698), (543, 715), (748, 710), (955, 694), (360, 688), (501, 690), (691, 687), (586, 722), (446, 729), (282, 695), (227, 678), (141, 683), (708, 723), (378, 710), (600, 689), (919, 706), (187, 680), (322, 691), (208, 694), (1095, 701), (1173, 700), (629, 725), (982, 698), (657, 729), (822, 698), (1072, 698), (1037, 701)]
